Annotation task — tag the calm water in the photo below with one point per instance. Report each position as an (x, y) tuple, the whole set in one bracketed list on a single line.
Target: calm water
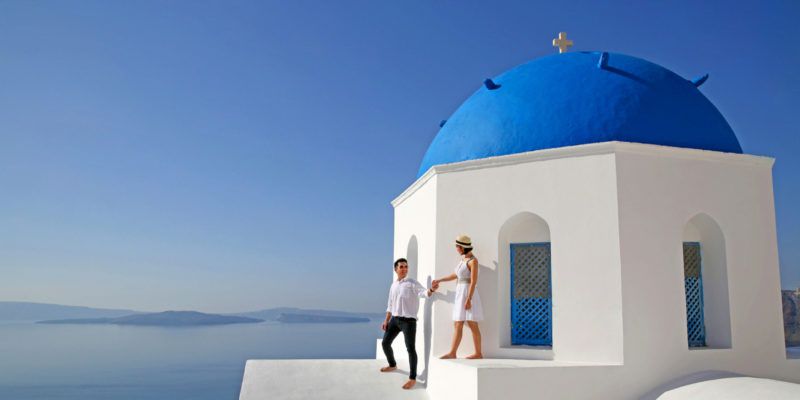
[(145, 363)]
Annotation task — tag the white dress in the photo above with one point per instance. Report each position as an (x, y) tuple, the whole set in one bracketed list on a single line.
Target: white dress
[(475, 313)]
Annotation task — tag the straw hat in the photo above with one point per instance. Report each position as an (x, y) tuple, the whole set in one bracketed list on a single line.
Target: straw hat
[(464, 241)]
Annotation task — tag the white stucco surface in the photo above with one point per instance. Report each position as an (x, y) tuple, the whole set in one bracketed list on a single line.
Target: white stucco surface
[(739, 388), (616, 216), (473, 379), (325, 379)]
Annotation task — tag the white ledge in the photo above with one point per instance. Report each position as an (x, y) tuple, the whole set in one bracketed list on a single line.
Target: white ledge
[(505, 363), (326, 379)]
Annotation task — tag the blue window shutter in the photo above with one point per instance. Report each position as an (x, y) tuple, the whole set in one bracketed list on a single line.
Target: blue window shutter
[(531, 296), (693, 285)]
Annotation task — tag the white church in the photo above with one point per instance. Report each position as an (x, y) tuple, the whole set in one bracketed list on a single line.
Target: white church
[(627, 247)]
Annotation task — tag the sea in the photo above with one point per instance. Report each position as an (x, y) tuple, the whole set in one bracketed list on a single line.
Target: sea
[(88, 362)]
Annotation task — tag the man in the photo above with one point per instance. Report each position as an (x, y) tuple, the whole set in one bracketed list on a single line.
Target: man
[(401, 316)]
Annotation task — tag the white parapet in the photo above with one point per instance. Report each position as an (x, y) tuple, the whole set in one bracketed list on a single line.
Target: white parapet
[(491, 379), (324, 379)]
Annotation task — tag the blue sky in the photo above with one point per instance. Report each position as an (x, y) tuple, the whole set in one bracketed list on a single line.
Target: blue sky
[(227, 156)]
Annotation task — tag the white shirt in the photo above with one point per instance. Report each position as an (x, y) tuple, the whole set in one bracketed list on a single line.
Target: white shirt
[(404, 298)]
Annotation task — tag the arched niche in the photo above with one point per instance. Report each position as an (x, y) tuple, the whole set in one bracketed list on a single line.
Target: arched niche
[(412, 255), (702, 229), (523, 227)]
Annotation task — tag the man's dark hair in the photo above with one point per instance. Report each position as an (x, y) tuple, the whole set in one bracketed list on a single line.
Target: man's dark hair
[(399, 260)]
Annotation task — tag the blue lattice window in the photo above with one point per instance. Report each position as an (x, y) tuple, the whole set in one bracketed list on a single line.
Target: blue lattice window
[(693, 284), (531, 298)]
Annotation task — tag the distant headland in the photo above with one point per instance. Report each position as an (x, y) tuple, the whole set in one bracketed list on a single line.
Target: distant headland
[(166, 318), (319, 319), (60, 314)]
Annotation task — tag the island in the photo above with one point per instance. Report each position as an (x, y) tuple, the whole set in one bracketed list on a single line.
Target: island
[(291, 318), (273, 314), (166, 318)]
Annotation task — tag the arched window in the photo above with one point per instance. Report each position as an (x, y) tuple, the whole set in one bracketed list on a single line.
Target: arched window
[(524, 243), (708, 321)]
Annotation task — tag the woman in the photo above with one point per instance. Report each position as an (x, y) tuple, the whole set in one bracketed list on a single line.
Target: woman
[(467, 305)]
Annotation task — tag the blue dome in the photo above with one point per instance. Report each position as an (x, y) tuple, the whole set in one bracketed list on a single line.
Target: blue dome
[(570, 99)]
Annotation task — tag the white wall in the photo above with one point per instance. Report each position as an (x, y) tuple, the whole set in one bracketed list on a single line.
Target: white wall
[(576, 197), (671, 195)]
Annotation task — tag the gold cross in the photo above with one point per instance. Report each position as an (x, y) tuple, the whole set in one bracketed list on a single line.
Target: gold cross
[(562, 42)]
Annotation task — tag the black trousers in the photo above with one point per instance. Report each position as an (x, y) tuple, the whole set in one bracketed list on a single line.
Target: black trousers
[(409, 328)]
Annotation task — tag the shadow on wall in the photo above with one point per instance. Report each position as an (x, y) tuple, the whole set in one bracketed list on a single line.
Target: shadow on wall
[(412, 255), (427, 317)]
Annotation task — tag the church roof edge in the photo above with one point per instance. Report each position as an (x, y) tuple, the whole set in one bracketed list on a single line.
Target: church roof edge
[(582, 150)]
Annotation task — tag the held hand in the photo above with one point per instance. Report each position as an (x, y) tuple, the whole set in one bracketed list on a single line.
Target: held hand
[(468, 304), (384, 325), (435, 284)]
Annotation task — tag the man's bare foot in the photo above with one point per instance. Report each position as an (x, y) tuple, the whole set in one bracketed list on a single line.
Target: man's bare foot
[(388, 369), (447, 356), (410, 384), (475, 356)]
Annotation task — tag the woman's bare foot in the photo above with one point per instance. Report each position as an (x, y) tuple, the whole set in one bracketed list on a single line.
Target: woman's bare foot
[(475, 356), (447, 356), (410, 384), (388, 369)]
